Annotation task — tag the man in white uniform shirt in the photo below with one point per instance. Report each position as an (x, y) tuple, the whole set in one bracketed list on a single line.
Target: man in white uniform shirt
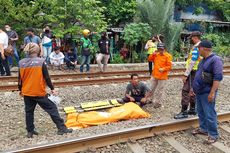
[(57, 58), (4, 67)]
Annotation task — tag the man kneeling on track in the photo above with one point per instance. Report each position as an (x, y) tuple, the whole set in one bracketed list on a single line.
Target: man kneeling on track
[(33, 77), (136, 92)]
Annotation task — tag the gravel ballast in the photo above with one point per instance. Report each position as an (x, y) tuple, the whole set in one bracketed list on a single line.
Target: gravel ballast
[(13, 121)]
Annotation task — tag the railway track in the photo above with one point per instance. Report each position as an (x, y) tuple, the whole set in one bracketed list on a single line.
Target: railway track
[(91, 80), (129, 136), (90, 75), (97, 74)]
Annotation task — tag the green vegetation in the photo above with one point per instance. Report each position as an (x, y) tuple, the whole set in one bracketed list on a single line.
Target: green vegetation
[(117, 59), (65, 16), (119, 11), (141, 19), (223, 6), (134, 33), (158, 14), (221, 43)]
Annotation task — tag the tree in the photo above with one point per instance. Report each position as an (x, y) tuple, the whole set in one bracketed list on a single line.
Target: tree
[(157, 14), (134, 33), (119, 11), (65, 16), (222, 6), (73, 15)]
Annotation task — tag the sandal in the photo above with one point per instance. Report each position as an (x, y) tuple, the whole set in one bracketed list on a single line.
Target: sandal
[(199, 131), (210, 140)]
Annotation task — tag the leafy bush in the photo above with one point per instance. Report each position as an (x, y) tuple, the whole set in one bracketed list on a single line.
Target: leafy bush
[(134, 33), (221, 43), (117, 59)]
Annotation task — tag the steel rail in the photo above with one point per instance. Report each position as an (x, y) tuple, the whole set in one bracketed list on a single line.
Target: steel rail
[(95, 74), (85, 75), (93, 81), (85, 143)]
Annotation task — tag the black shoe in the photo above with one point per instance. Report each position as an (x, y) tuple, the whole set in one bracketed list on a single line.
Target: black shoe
[(192, 112), (181, 115), (63, 131), (30, 134), (35, 132)]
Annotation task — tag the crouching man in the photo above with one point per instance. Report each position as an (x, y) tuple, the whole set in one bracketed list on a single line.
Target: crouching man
[(57, 58), (136, 92), (33, 78)]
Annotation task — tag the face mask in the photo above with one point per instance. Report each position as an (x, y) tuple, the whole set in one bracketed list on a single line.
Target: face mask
[(47, 31), (7, 29)]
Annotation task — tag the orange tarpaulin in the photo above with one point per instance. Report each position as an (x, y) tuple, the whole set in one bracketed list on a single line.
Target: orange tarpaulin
[(86, 119)]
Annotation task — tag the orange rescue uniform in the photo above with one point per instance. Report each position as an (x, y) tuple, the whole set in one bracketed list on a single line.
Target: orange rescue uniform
[(32, 80), (161, 61)]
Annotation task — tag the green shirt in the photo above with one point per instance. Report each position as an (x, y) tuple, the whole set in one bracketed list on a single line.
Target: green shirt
[(86, 43)]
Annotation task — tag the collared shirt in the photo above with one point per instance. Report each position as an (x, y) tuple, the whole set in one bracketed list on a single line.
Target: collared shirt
[(212, 64), (161, 61)]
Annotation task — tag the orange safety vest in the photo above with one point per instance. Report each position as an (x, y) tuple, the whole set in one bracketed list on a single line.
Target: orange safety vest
[(33, 82)]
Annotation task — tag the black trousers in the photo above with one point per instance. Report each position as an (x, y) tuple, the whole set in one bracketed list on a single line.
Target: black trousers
[(45, 104), (150, 66), (4, 67)]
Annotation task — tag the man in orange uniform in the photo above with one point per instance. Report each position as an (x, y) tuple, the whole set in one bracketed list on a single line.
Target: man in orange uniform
[(33, 78), (162, 65)]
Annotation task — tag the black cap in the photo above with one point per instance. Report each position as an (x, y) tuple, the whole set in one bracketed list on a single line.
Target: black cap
[(195, 33), (160, 46), (205, 44)]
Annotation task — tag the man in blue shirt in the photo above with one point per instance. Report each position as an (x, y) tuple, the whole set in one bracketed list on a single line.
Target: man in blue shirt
[(205, 86), (31, 37)]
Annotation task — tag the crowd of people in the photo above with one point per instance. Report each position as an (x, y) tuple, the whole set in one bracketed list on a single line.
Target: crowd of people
[(204, 71), (52, 50)]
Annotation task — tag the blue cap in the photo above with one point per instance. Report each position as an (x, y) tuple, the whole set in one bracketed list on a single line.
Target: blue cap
[(205, 44)]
